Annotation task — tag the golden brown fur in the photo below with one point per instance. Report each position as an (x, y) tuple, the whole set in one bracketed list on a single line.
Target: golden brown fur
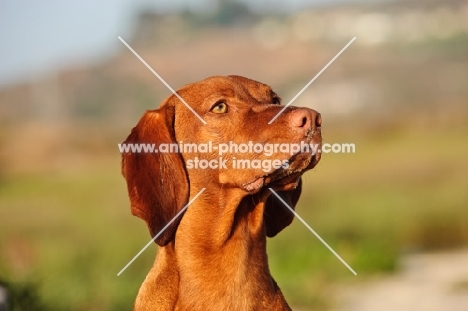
[(214, 256)]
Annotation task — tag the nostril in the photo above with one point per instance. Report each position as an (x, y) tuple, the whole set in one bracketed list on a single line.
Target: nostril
[(318, 120), (300, 118)]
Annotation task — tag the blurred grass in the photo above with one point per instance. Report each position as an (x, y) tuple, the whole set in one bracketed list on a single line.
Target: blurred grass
[(403, 191), (70, 235), (64, 236)]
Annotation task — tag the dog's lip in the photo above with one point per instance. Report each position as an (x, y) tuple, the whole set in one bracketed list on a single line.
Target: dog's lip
[(285, 173), (269, 180), (255, 184), (286, 180), (282, 176)]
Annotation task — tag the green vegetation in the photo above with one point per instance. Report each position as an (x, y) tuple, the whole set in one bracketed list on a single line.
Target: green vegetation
[(64, 236), (402, 193)]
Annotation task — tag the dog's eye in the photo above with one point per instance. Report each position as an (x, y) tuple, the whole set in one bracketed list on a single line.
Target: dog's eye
[(220, 108), (276, 101)]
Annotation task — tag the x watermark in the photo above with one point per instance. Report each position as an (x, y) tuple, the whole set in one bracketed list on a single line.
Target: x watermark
[(201, 119)]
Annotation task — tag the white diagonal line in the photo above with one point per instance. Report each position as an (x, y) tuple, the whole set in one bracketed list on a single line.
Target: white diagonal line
[(160, 232), (162, 80), (313, 79), (312, 230)]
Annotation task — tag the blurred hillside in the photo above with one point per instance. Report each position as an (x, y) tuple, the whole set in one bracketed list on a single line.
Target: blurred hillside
[(399, 92), (410, 58)]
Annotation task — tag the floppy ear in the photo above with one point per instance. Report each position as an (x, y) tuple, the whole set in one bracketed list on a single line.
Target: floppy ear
[(157, 182), (276, 215)]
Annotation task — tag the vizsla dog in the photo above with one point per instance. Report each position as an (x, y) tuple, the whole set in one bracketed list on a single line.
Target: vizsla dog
[(213, 257)]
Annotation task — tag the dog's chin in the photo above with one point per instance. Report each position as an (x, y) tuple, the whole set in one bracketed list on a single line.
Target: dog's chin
[(284, 178)]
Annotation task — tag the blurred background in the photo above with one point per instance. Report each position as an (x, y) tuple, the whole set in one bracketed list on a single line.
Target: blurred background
[(396, 210)]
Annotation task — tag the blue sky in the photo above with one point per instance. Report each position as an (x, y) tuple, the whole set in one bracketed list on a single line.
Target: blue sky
[(37, 36)]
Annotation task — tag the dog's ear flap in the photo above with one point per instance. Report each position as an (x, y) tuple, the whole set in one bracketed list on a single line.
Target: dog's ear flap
[(276, 215), (157, 182)]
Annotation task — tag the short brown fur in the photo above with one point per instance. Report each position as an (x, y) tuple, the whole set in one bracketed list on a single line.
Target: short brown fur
[(213, 257)]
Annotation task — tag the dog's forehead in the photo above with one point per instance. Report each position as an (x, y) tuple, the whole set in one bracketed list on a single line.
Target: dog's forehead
[(230, 84), (241, 86), (247, 82), (254, 88), (226, 86)]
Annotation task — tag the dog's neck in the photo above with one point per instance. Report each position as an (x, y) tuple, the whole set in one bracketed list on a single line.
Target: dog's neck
[(227, 259)]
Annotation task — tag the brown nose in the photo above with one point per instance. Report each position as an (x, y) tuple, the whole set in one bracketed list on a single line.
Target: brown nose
[(305, 118)]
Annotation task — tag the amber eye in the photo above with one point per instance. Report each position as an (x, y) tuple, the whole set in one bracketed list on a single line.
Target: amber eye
[(276, 101), (220, 108)]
